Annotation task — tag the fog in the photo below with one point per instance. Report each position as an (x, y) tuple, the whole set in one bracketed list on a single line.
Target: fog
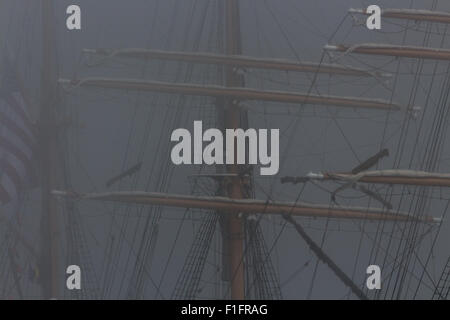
[(104, 132)]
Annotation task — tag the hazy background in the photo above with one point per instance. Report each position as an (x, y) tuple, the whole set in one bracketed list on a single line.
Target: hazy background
[(112, 130)]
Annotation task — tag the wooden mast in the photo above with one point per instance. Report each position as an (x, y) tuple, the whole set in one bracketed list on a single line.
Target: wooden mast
[(47, 144), (233, 121), (393, 51)]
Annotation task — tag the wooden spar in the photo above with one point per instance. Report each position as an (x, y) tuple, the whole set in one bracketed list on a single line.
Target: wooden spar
[(232, 120), (411, 14), (403, 177), (393, 50), (237, 61), (248, 206), (233, 93)]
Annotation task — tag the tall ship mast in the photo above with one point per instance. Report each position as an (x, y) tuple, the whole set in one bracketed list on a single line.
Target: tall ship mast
[(362, 178)]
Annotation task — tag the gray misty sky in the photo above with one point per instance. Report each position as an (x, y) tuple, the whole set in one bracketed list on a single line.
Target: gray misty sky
[(112, 130)]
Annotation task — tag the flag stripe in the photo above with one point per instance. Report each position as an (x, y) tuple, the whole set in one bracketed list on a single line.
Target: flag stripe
[(10, 187), (12, 126), (17, 165), (17, 137), (18, 108), (4, 195), (9, 135), (12, 114), (19, 154), (7, 169)]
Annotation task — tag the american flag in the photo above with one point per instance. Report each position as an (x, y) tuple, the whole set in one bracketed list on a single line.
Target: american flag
[(17, 137)]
